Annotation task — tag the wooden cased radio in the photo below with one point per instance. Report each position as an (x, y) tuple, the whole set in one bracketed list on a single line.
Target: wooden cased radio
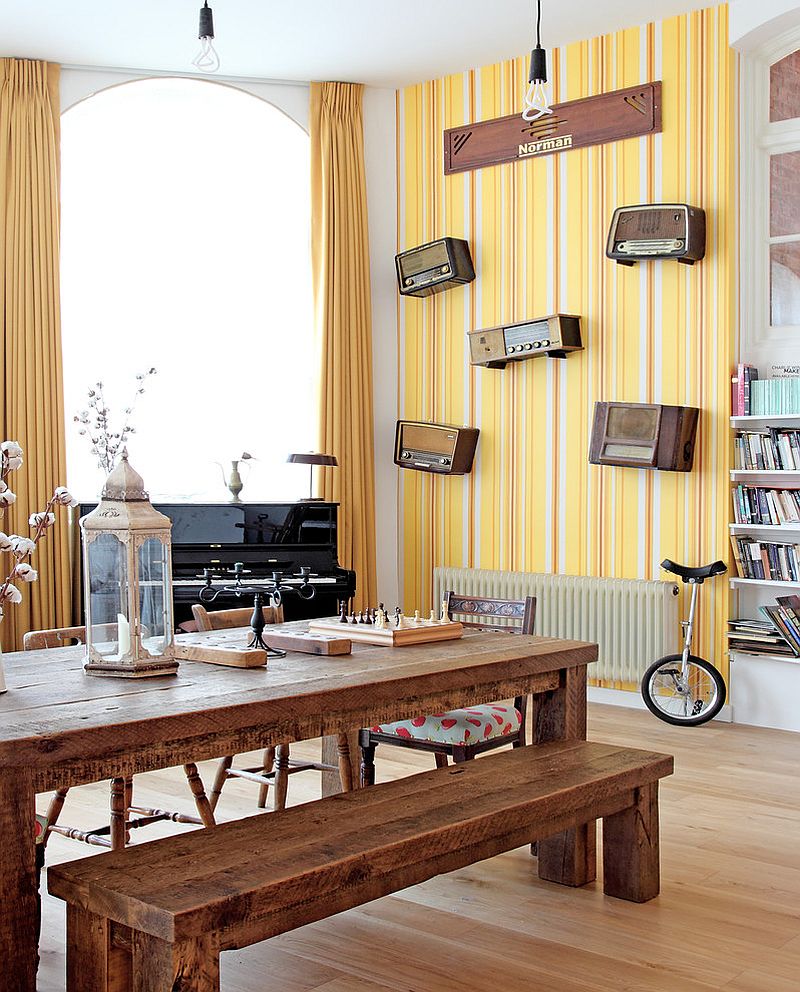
[(439, 448), (657, 230), (434, 267), (644, 435), (552, 336)]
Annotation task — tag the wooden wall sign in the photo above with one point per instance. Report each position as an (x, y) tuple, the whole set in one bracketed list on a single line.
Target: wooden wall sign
[(594, 120)]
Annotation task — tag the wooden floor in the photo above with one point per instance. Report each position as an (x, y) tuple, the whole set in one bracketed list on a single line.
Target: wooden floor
[(728, 916)]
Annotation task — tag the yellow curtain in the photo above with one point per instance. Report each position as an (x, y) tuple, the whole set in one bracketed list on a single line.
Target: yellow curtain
[(32, 402), (340, 262)]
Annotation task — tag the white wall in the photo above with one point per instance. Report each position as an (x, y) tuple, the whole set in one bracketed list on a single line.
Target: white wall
[(78, 84), (754, 22), (380, 154)]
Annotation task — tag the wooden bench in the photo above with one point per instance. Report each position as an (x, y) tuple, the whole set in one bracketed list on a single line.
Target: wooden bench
[(154, 918)]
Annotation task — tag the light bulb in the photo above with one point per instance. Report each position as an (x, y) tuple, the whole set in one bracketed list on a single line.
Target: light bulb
[(537, 103), (206, 59)]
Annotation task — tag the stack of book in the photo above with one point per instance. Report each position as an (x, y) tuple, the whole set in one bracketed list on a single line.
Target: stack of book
[(758, 637), (766, 559), (774, 449), (741, 387), (774, 396), (773, 507)]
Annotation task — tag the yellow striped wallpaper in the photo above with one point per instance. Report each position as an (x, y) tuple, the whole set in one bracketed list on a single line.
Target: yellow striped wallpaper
[(658, 332)]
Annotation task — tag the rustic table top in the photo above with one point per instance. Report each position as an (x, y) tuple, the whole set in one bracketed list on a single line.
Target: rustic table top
[(55, 714)]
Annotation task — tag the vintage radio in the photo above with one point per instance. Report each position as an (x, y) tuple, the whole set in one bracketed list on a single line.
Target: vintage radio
[(434, 267), (644, 435), (657, 230), (435, 447), (552, 336)]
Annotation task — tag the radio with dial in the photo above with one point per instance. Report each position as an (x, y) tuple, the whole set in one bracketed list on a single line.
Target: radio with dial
[(553, 336)]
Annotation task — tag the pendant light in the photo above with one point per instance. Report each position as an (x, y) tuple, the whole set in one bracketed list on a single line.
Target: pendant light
[(536, 100), (206, 59)]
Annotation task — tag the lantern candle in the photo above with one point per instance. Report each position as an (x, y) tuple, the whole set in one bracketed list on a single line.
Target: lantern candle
[(128, 581)]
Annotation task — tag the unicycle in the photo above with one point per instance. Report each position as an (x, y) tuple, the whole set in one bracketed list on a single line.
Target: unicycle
[(683, 689)]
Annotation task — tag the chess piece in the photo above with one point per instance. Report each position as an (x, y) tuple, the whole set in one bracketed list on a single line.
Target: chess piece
[(416, 616), (444, 617), (380, 622), (398, 617), (343, 611), (432, 617), (361, 617), (370, 616), (353, 618)]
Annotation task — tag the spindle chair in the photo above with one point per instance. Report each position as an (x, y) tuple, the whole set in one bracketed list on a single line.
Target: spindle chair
[(117, 832), (276, 763)]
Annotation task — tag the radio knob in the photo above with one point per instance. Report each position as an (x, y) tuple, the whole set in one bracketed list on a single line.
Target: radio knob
[(527, 346), (409, 282), (445, 269), (444, 461), (406, 454), (545, 342), (537, 344)]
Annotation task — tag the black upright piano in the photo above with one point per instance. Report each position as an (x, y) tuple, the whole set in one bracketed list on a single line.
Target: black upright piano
[(270, 540)]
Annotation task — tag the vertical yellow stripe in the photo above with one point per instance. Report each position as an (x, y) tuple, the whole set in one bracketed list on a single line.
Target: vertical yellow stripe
[(661, 331)]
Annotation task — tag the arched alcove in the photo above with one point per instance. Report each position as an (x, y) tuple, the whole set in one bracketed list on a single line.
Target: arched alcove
[(185, 247)]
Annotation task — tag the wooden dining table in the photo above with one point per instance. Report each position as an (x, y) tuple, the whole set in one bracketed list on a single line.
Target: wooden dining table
[(60, 727)]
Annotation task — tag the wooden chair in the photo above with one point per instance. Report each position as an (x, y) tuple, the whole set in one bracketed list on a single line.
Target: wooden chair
[(461, 734), (117, 833), (276, 764)]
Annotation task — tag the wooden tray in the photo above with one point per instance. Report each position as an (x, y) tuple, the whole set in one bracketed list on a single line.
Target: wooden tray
[(421, 632)]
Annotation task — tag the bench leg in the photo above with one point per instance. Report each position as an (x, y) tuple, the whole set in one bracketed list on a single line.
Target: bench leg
[(569, 857), (189, 966), (630, 849), (94, 963)]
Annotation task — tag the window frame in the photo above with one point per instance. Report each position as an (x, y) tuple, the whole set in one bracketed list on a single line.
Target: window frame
[(760, 139)]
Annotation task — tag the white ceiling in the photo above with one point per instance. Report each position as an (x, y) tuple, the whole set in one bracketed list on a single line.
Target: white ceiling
[(381, 42)]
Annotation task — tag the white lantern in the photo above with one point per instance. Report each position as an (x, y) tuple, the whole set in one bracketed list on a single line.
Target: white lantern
[(127, 564)]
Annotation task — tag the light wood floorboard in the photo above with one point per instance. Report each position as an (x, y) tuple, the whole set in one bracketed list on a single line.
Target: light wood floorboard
[(728, 916)]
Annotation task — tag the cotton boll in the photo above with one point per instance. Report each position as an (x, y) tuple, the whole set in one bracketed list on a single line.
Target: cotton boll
[(26, 572), (22, 546)]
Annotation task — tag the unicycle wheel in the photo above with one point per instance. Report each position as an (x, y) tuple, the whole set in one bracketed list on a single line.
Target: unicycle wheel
[(686, 703)]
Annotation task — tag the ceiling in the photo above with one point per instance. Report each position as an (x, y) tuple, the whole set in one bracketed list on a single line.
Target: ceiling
[(380, 42)]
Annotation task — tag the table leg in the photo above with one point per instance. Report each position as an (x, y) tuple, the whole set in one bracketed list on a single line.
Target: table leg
[(18, 871), (331, 754), (568, 857)]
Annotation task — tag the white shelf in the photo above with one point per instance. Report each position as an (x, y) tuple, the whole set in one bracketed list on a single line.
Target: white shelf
[(781, 419), (739, 653), (777, 583), (768, 529), (765, 475)]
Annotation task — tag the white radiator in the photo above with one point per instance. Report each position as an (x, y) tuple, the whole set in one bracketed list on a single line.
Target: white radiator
[(633, 621)]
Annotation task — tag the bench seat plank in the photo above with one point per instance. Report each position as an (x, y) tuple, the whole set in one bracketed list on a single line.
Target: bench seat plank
[(254, 878)]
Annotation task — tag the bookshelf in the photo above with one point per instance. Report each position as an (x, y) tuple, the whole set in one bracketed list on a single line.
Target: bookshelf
[(763, 685)]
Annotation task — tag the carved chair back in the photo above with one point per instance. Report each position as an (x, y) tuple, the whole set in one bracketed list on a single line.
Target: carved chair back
[(516, 615)]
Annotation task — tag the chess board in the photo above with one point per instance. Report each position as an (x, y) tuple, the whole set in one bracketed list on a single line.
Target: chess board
[(412, 632)]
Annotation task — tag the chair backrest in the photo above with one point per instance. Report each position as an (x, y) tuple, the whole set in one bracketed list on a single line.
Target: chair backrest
[(62, 637), (225, 619), (517, 615)]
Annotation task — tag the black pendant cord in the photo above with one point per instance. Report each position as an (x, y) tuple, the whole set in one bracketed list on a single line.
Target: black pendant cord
[(538, 23)]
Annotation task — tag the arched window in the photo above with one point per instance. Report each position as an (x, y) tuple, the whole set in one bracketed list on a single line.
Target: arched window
[(185, 247)]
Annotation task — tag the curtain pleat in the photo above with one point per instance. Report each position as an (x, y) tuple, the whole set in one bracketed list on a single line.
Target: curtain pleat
[(32, 402), (343, 315)]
